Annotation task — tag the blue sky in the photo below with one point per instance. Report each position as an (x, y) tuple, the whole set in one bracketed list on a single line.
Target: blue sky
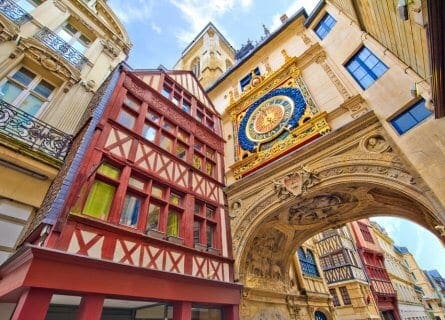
[(161, 29)]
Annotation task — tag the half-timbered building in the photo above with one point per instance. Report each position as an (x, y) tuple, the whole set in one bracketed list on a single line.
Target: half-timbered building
[(143, 231)]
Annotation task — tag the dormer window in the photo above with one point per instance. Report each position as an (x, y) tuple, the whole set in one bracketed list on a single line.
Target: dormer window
[(247, 79)]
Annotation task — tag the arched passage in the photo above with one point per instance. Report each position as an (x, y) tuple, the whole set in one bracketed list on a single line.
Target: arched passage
[(327, 185)]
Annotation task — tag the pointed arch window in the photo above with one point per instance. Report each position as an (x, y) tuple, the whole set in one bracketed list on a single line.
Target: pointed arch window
[(308, 263), (196, 67)]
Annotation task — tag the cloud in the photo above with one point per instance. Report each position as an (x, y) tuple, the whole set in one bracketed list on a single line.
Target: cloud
[(133, 11), (156, 28), (309, 5), (198, 13)]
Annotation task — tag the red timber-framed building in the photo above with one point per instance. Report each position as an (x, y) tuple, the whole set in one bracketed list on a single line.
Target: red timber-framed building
[(139, 219), (374, 263)]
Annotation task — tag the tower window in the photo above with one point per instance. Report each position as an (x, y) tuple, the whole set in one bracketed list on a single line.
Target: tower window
[(365, 67), (324, 26)]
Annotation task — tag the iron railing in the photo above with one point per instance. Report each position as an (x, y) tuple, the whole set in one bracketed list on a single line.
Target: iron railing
[(34, 133), (53, 41), (14, 12)]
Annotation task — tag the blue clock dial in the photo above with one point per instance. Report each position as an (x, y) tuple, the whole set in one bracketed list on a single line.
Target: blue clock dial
[(269, 116)]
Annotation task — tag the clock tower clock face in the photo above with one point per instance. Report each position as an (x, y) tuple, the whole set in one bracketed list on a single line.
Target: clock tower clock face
[(269, 119), (270, 116)]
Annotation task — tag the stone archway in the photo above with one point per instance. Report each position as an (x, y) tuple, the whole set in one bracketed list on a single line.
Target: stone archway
[(350, 174)]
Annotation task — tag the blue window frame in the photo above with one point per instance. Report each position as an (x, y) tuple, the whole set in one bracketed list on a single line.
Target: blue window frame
[(246, 80), (320, 316), (411, 117), (365, 67), (307, 262), (324, 26)]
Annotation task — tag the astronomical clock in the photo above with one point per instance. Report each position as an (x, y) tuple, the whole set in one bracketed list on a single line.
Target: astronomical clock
[(272, 120)]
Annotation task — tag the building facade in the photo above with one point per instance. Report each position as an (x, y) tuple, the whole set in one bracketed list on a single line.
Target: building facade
[(344, 273), (408, 300), (54, 55), (429, 296), (143, 231), (311, 126), (373, 259)]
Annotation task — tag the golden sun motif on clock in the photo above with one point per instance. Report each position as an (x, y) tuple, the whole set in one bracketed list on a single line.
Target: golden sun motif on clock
[(269, 119)]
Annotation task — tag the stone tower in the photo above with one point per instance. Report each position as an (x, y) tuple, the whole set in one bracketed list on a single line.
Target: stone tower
[(209, 55)]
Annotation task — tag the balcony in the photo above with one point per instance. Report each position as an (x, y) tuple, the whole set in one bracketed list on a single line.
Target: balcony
[(344, 273), (14, 12), (32, 132), (60, 46)]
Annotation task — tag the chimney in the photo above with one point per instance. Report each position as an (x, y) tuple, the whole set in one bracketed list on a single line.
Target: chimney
[(283, 18)]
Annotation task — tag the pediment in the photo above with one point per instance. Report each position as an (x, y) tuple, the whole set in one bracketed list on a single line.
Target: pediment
[(47, 58)]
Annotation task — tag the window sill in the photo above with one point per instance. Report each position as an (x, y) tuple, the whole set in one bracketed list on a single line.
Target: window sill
[(155, 234), (200, 247), (175, 240), (213, 251)]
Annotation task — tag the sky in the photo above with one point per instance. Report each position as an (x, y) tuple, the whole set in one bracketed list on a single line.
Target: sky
[(161, 29)]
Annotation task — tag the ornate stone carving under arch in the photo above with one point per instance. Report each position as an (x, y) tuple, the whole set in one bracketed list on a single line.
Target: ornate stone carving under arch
[(347, 177), (270, 314)]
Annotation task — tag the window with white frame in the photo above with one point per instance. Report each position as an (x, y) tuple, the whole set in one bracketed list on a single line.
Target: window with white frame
[(26, 90), (28, 5), (74, 37)]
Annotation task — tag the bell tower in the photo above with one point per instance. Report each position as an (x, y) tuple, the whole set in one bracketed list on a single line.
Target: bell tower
[(208, 56)]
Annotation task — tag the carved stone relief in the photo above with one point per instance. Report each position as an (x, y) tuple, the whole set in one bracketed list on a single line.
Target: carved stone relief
[(318, 208), (321, 60), (376, 144), (270, 314), (264, 259)]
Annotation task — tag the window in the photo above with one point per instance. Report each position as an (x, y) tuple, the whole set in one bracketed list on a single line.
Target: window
[(196, 67), (165, 205), (74, 37), (365, 232), (411, 117), (365, 67), (307, 262), (183, 100), (100, 197), (28, 5), (144, 205), (333, 293), (26, 90), (345, 295), (320, 316), (247, 79), (324, 26), (204, 224), (204, 158)]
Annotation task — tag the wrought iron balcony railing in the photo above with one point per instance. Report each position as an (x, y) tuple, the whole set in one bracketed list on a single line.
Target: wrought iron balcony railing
[(34, 133), (14, 12), (53, 41)]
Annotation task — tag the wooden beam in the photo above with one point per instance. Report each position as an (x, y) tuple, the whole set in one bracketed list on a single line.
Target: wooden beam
[(436, 39)]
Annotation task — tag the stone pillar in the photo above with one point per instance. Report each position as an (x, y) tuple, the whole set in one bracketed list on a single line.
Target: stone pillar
[(33, 304), (182, 310), (231, 312), (90, 307)]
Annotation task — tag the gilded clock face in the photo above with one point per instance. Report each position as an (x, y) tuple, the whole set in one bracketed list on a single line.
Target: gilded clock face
[(270, 118)]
